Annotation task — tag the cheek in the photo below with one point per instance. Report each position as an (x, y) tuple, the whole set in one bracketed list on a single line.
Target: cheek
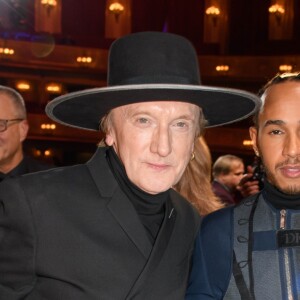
[(9, 143), (270, 159), (271, 150), (237, 179), (183, 156), (129, 150), (11, 137), (184, 147)]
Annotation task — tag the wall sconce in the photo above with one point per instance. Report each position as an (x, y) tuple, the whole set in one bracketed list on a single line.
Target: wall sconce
[(247, 143), (54, 88), (84, 59), (116, 8), (222, 68), (40, 153), (285, 68), (214, 13), (48, 152), (47, 126), (23, 86), (49, 5), (7, 51), (278, 12)]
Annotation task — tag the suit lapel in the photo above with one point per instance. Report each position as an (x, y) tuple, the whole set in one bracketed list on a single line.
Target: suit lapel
[(124, 212), (101, 173), (119, 205)]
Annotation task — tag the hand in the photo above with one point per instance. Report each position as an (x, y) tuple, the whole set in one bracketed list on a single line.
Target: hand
[(247, 186)]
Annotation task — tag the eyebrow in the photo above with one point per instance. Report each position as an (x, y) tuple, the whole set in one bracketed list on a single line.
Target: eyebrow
[(191, 117), (274, 122), (187, 117)]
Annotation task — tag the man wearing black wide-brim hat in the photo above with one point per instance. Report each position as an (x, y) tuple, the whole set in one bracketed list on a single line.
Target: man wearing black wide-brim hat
[(114, 228)]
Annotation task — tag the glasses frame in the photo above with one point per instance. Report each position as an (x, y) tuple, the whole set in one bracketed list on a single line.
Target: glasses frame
[(5, 122)]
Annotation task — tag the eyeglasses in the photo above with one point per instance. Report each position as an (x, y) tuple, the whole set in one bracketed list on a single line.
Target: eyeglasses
[(5, 123)]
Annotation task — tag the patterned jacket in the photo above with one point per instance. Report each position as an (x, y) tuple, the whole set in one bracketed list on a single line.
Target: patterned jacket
[(250, 251)]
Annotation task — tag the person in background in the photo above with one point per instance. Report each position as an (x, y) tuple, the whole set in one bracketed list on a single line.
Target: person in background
[(256, 255), (195, 183), (13, 131), (114, 227), (253, 180), (227, 172)]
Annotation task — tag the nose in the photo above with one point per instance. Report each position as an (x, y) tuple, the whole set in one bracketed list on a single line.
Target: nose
[(292, 146), (161, 141)]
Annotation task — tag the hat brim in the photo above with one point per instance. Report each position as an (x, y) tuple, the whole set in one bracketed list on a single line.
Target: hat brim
[(84, 109)]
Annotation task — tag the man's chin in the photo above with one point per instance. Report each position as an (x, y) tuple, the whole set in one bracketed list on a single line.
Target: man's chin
[(289, 187), (154, 188)]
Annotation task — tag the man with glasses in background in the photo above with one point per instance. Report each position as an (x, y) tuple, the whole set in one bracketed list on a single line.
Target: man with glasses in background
[(13, 131)]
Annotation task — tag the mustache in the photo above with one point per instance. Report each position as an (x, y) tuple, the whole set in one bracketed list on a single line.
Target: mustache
[(289, 162)]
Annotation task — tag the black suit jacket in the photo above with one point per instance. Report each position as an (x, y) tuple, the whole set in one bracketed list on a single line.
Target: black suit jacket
[(27, 165), (71, 234)]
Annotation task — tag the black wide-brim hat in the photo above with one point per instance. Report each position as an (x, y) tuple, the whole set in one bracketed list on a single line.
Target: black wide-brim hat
[(152, 66)]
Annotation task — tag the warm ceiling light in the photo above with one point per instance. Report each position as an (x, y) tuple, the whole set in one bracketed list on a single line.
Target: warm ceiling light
[(23, 86), (247, 143), (49, 5), (54, 88), (84, 59), (222, 68), (116, 8), (285, 68), (49, 2), (212, 10), (37, 152), (48, 152), (276, 8), (47, 126), (7, 51)]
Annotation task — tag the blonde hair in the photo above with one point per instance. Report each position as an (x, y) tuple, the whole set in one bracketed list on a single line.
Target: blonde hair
[(223, 164), (195, 184)]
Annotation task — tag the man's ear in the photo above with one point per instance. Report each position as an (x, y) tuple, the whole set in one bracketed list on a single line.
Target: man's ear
[(253, 135), (23, 130), (109, 139)]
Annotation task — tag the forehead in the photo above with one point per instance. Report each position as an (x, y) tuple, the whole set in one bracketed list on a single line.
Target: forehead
[(282, 102), (236, 163), (172, 108), (6, 104)]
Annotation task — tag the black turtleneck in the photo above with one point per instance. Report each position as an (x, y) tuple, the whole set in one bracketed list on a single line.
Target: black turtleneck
[(279, 199), (150, 208)]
